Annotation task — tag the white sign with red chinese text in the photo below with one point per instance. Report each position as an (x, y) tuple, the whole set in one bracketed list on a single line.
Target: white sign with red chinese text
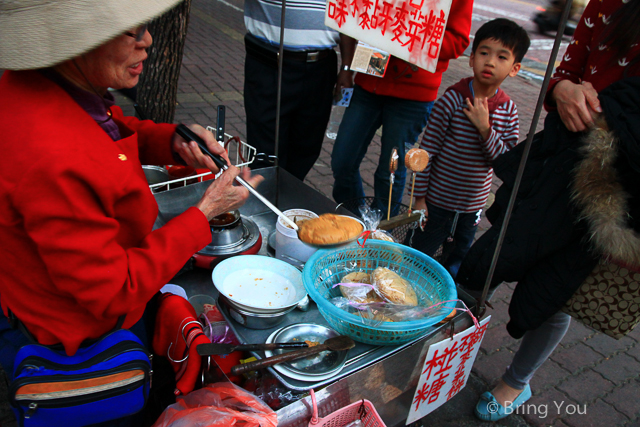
[(446, 370), (409, 29)]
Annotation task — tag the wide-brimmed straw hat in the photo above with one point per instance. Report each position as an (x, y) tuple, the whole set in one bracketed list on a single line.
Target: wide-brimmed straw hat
[(42, 33)]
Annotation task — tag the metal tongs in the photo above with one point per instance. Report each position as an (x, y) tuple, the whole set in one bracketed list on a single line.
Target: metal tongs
[(221, 163)]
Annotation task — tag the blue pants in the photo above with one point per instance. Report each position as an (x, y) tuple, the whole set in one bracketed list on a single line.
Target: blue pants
[(401, 120), (439, 227)]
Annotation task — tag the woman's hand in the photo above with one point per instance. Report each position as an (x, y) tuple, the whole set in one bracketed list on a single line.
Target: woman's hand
[(191, 153), (577, 104), (223, 196)]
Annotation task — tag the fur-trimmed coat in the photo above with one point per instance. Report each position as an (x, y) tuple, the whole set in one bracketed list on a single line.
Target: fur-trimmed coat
[(602, 201), (578, 201)]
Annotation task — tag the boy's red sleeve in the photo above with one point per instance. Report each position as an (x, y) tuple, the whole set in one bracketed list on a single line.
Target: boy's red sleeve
[(456, 35)]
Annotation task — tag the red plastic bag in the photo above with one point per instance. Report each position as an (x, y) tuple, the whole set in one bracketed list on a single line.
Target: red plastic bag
[(218, 405)]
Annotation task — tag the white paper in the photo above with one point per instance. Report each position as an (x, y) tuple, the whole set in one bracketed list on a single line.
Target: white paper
[(446, 370), (408, 29)]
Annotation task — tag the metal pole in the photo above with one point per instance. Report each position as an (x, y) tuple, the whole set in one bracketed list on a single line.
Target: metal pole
[(480, 308), (278, 98)]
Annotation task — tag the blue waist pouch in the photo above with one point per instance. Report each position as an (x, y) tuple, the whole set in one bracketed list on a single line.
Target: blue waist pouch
[(107, 380)]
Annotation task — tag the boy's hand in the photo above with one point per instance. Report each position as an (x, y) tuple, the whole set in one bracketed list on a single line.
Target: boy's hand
[(478, 115), (421, 204)]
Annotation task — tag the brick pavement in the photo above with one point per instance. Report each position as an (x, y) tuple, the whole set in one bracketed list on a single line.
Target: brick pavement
[(588, 372)]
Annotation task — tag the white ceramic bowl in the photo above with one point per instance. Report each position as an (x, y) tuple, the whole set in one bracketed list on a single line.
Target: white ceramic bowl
[(259, 284), (287, 243)]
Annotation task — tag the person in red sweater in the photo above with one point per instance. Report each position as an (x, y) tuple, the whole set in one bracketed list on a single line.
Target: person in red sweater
[(605, 49), (400, 102), (76, 213)]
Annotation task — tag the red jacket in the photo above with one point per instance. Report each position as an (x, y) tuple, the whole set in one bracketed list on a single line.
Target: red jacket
[(76, 215), (406, 81)]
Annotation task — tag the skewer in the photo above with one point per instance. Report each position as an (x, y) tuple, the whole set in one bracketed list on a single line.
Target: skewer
[(393, 167), (416, 160)]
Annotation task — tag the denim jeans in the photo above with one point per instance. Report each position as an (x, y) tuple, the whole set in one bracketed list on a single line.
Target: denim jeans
[(401, 120), (438, 229)]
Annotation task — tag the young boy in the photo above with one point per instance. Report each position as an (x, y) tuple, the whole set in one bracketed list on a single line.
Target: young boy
[(470, 125)]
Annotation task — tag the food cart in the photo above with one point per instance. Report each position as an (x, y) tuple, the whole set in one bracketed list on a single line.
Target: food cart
[(385, 375)]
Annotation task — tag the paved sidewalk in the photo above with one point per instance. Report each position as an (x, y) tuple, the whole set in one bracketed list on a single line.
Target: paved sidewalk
[(588, 372)]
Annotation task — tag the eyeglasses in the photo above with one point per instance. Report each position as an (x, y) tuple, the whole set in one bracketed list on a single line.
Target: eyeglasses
[(138, 33)]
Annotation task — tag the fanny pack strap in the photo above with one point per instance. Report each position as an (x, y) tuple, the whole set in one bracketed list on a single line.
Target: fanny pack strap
[(15, 323)]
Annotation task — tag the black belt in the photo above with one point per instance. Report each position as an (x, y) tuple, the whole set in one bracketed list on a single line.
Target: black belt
[(270, 53)]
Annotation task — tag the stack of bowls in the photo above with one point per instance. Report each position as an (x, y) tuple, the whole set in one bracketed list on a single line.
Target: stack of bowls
[(258, 291)]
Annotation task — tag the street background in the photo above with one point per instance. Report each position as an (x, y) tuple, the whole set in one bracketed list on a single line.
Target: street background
[(588, 371)]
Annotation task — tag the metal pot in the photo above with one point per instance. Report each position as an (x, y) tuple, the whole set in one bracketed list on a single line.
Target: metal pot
[(226, 229), (253, 320), (155, 174)]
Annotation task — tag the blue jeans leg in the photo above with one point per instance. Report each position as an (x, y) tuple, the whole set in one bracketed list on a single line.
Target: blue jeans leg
[(463, 239), (360, 121), (438, 229), (401, 120)]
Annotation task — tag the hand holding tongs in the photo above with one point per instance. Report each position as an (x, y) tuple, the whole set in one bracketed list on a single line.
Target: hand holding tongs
[(189, 135)]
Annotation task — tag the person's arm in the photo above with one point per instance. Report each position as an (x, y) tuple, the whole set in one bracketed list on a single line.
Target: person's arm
[(572, 67), (574, 99), (73, 214), (456, 35), (500, 142), (345, 77)]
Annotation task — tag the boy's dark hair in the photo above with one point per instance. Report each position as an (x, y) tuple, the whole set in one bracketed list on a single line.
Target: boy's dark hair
[(507, 32)]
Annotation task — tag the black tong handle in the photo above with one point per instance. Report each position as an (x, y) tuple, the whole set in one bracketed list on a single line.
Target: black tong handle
[(190, 135)]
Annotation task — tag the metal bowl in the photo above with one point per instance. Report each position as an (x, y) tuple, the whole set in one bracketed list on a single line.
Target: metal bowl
[(252, 320), (156, 174), (323, 363)]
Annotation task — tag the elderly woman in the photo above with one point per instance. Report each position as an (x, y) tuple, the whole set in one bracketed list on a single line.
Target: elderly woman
[(76, 214)]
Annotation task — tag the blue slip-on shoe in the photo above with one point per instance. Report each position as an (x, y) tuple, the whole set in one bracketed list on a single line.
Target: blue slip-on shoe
[(488, 408)]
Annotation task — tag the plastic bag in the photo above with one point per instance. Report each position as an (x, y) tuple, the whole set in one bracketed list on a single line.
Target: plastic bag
[(216, 327), (371, 219), (356, 423), (218, 405), (266, 387)]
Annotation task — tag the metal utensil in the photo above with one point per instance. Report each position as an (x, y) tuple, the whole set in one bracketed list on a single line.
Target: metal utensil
[(340, 343), (221, 163), (212, 349)]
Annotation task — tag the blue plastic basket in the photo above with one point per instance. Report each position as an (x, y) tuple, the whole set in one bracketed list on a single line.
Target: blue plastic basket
[(430, 281)]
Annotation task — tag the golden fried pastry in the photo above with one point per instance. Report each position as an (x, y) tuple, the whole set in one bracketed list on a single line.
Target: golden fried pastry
[(416, 159), (329, 229), (359, 294), (393, 287)]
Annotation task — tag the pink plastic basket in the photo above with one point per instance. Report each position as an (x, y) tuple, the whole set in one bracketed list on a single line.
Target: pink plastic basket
[(362, 410)]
